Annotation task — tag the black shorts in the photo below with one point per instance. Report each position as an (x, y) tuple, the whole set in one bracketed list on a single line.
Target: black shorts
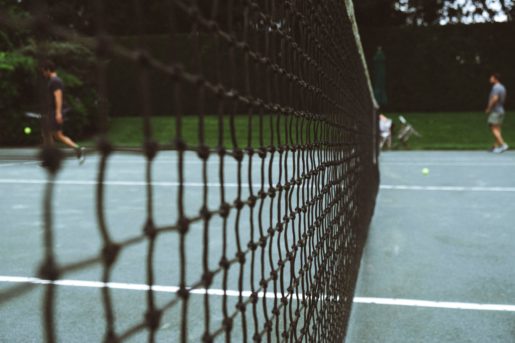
[(54, 125)]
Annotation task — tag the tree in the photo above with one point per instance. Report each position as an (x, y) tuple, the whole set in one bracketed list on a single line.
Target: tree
[(430, 12)]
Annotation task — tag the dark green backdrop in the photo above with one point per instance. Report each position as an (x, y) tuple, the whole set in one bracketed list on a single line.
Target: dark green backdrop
[(443, 68), (437, 68)]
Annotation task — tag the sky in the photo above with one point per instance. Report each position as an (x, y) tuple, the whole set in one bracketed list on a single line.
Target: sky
[(469, 7)]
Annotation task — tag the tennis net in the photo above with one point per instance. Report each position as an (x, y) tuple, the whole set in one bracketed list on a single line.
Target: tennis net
[(293, 151)]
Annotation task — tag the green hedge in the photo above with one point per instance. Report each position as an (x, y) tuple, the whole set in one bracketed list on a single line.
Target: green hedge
[(441, 68), (21, 85), (125, 87)]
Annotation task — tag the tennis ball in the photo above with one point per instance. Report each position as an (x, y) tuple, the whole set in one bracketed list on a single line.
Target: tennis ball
[(425, 171), (27, 130)]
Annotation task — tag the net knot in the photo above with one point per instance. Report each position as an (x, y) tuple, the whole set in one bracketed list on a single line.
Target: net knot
[(152, 319), (183, 293), (241, 307), (51, 159), (225, 209), (254, 297), (180, 145), (207, 338), (149, 229), (262, 194), (275, 311), (227, 324), (262, 152), (238, 154), (271, 192), (221, 151), (110, 253), (183, 225), (238, 204), (252, 201), (151, 148), (224, 263), (240, 256), (273, 275), (205, 214), (250, 151), (207, 279), (252, 246), (268, 326), (203, 152), (49, 270), (257, 337)]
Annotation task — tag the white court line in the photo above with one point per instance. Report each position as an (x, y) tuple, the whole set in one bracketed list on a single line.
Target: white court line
[(451, 164), (268, 295), (245, 185), (447, 188), (17, 164), (435, 304), (137, 287)]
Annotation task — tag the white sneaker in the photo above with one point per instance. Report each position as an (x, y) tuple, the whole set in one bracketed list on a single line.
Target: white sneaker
[(500, 149), (81, 155)]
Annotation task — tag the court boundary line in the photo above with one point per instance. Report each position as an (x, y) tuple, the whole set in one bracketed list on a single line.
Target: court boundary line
[(245, 185), (145, 287), (267, 295), (435, 304)]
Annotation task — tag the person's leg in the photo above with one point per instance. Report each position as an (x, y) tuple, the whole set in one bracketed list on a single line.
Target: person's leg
[(496, 132), (58, 135)]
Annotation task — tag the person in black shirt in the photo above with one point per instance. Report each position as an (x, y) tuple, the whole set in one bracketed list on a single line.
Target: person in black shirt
[(56, 110)]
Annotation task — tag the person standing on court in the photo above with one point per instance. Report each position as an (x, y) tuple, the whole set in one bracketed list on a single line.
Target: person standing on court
[(496, 113), (56, 113)]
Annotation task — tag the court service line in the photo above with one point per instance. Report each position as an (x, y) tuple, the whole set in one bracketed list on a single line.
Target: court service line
[(268, 295), (245, 185), (447, 188), (435, 304)]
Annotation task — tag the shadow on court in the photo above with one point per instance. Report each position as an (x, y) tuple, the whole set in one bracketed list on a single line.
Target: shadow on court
[(439, 261)]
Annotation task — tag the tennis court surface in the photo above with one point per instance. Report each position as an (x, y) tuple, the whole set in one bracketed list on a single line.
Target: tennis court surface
[(298, 281), (438, 264)]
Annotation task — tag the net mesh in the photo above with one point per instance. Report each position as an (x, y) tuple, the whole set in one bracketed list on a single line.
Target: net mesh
[(295, 183)]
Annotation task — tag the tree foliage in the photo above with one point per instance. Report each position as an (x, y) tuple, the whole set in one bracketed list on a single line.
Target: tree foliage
[(430, 12)]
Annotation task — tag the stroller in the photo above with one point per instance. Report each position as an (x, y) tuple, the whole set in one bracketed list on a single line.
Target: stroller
[(386, 128)]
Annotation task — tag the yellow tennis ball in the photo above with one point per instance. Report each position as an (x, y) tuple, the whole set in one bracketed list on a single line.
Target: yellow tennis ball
[(27, 130), (425, 171)]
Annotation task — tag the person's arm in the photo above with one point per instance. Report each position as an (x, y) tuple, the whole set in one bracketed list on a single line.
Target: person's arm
[(58, 95), (491, 103)]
